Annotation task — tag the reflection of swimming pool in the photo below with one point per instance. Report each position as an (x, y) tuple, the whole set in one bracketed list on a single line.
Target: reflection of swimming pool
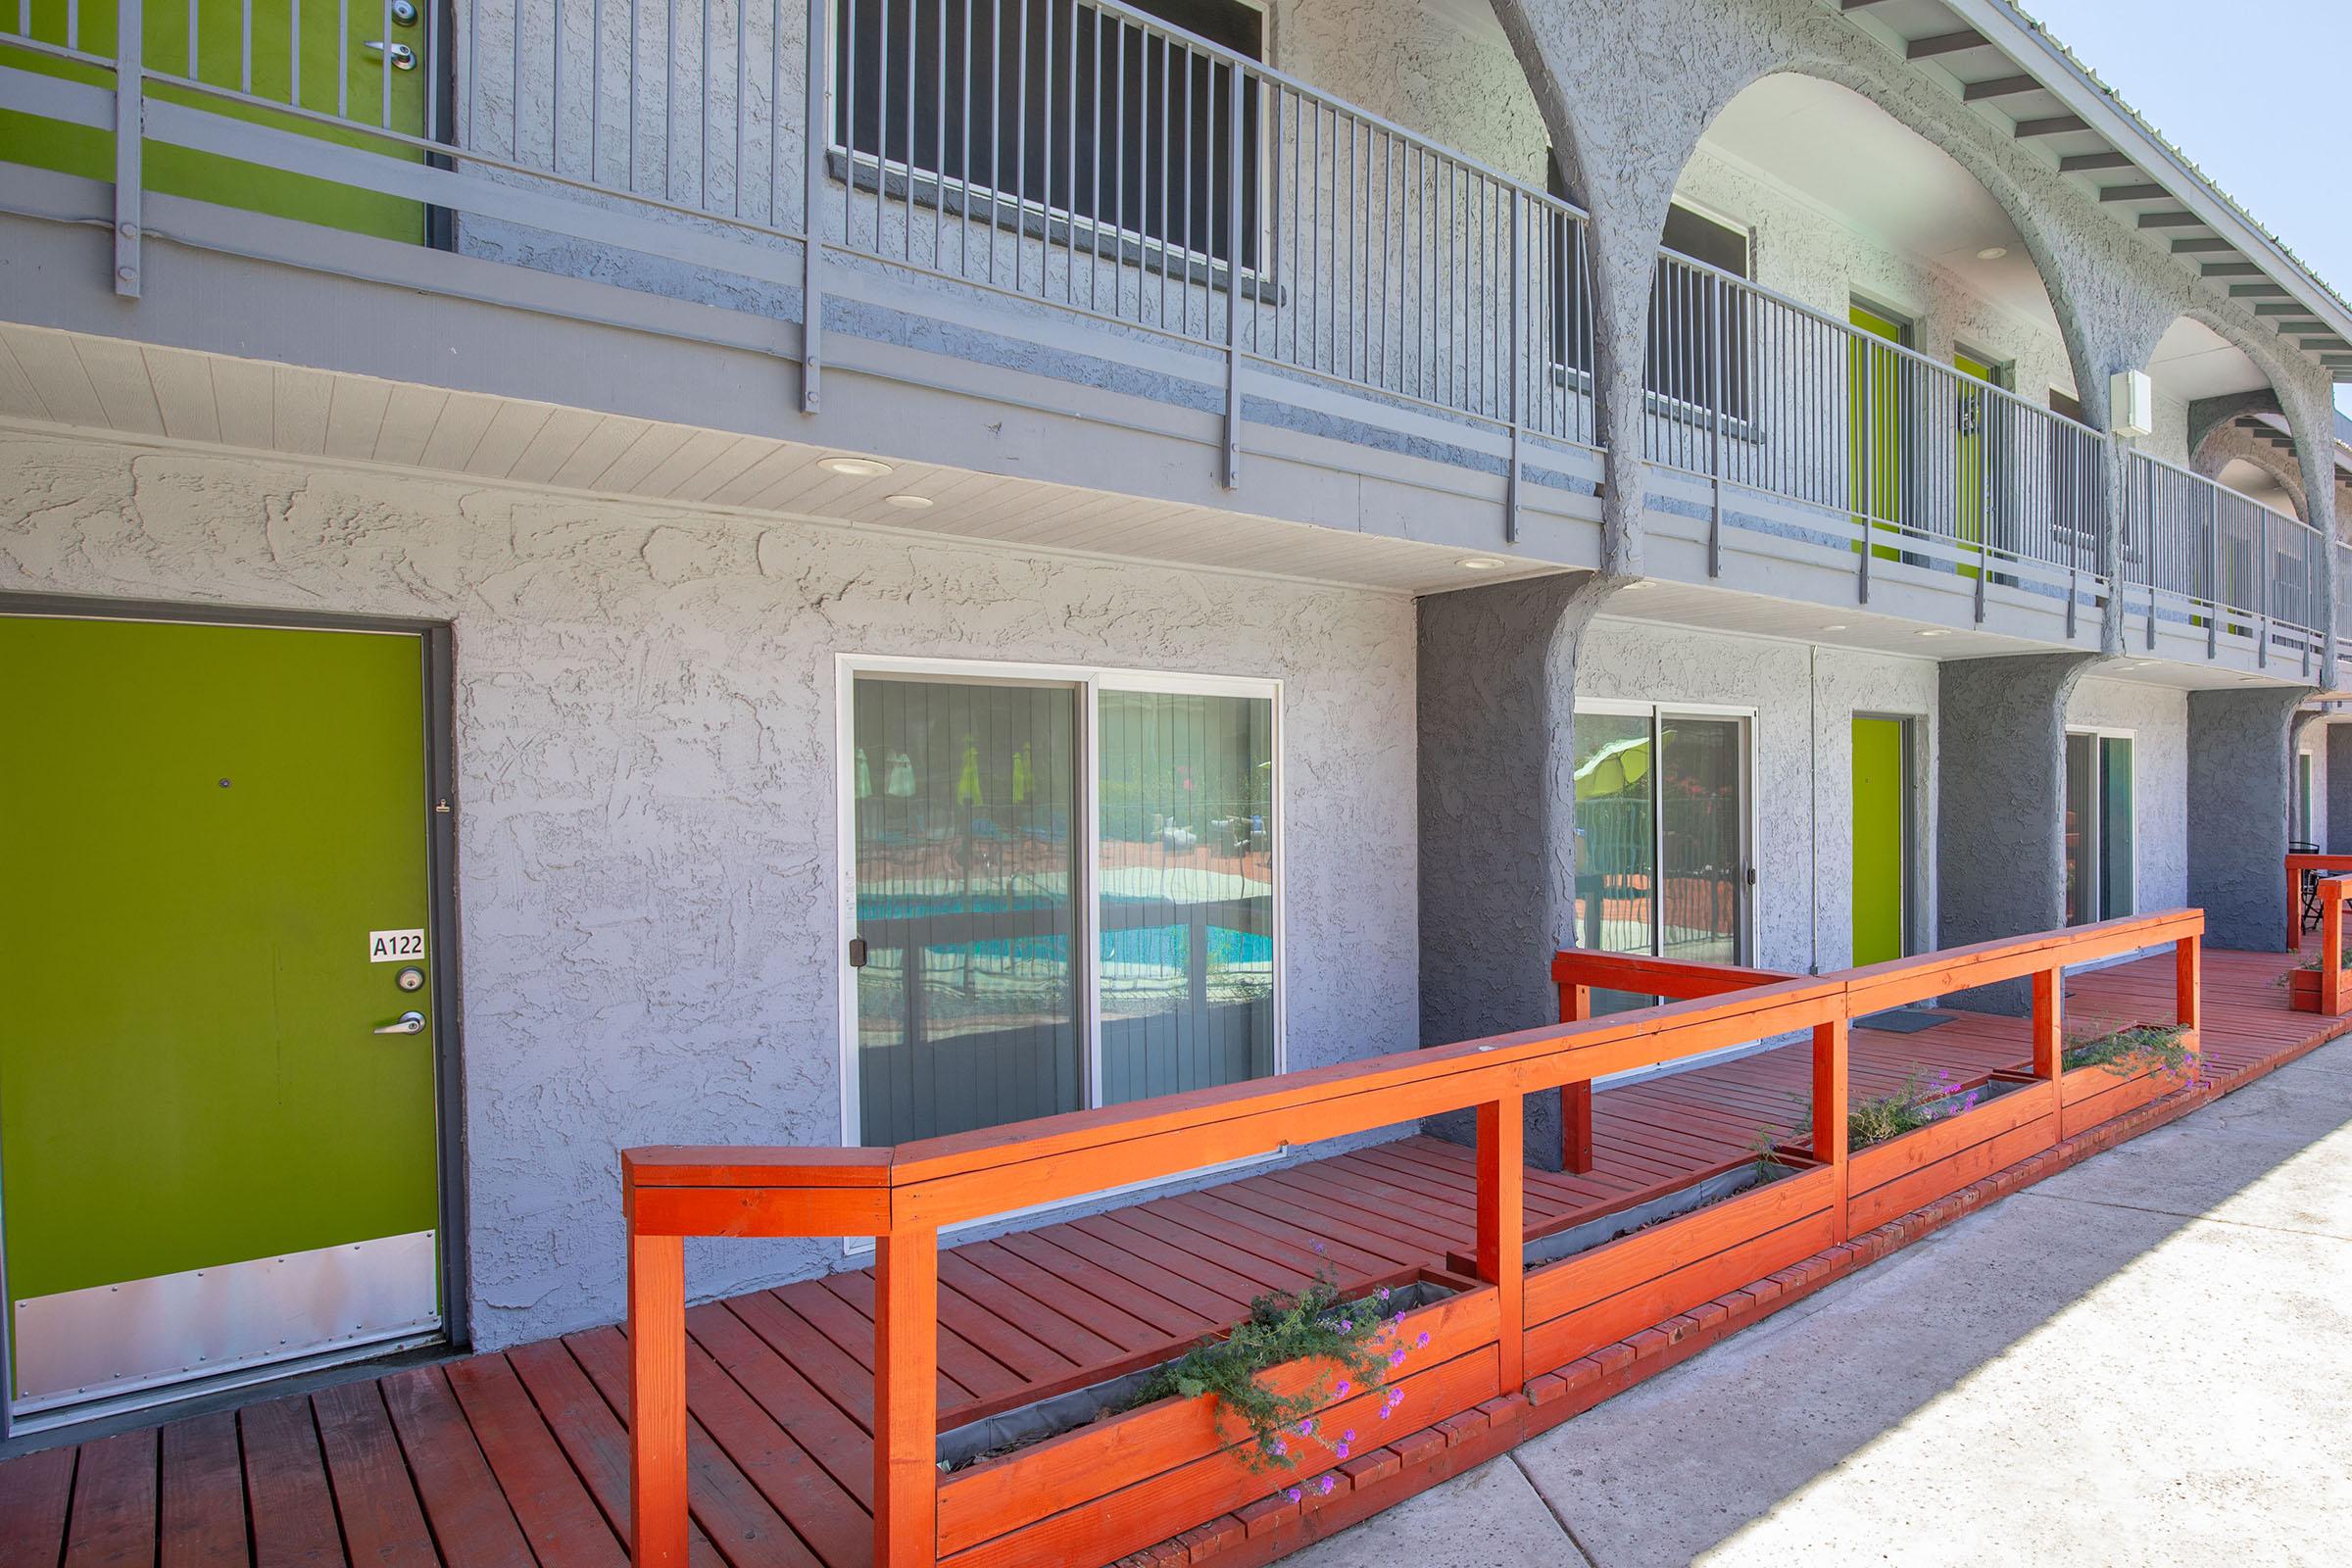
[(1156, 946)]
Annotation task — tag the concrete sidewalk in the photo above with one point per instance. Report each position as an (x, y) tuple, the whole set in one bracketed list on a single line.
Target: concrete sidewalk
[(2145, 1359)]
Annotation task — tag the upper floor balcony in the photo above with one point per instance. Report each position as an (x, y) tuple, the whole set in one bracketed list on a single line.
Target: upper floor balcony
[(1124, 218)]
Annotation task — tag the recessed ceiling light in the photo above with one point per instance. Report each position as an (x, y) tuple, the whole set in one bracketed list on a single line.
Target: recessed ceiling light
[(912, 502), (1834, 625), (1482, 564), (854, 467), (1992, 253), (1931, 632)]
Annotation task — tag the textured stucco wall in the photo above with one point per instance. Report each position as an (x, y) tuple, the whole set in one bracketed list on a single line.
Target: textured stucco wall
[(2157, 719), (2238, 791), (1497, 794), (2002, 850), (645, 722), (1803, 702)]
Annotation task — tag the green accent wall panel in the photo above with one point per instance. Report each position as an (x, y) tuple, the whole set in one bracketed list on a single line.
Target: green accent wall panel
[(204, 824)]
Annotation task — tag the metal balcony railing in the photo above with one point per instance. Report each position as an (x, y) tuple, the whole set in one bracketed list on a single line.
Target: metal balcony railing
[(1936, 467), (1082, 157)]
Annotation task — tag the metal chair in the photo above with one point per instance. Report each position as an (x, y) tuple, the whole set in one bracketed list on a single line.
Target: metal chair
[(2311, 884)]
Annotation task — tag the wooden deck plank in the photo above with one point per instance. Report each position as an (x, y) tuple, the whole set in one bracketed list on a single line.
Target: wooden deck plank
[(34, 1502), (470, 1517), (294, 1524), (113, 1524), (382, 1520), (556, 1513), (203, 1494)]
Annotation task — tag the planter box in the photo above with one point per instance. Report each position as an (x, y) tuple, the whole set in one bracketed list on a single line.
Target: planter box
[(1578, 1304), (2089, 1096), (2303, 991), (1130, 1481), (1885, 1180)]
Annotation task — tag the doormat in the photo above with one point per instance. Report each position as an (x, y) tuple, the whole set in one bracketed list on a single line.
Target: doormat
[(1902, 1020)]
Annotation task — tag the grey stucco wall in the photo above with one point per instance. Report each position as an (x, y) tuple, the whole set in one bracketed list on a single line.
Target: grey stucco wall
[(2238, 791), (2002, 850), (1497, 792), (645, 716), (1802, 701), (2157, 719)]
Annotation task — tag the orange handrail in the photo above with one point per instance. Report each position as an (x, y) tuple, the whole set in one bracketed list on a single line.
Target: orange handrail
[(1578, 972), (903, 1196)]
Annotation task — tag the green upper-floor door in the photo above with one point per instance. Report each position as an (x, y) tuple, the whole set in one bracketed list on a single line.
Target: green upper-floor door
[(1874, 400), (315, 54), (219, 874)]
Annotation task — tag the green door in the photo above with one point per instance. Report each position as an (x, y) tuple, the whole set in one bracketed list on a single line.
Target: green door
[(1973, 457), (1873, 402), (212, 1156), (338, 76), (1878, 901)]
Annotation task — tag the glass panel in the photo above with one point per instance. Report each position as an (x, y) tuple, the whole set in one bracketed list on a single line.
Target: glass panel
[(1702, 838), (968, 1008), (2116, 858), (2079, 848), (1615, 843), (1187, 891)]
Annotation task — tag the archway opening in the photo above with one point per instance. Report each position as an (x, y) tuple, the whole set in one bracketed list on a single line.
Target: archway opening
[(1844, 316)]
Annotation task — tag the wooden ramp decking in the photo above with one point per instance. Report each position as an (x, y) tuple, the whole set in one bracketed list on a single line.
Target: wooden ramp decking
[(520, 1457)]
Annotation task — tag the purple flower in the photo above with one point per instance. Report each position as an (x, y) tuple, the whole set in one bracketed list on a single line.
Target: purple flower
[(1347, 1435), (1395, 1397), (1324, 1485), (1396, 1357), (1292, 1493), (1344, 1386), (1340, 1450), (1398, 1320), (1306, 1427), (1318, 1246), (1347, 1325), (1422, 1343), (1383, 1295), (1280, 1445)]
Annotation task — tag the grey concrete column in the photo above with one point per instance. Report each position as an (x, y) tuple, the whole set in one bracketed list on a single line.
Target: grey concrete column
[(1498, 747), (2000, 856), (2241, 789), (2339, 789)]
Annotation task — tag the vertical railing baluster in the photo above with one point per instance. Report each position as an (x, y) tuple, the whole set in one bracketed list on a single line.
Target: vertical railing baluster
[(131, 132), (1715, 415), (1514, 369), (1829, 1092), (1236, 82), (657, 1511), (1502, 1227), (815, 135), (905, 1399)]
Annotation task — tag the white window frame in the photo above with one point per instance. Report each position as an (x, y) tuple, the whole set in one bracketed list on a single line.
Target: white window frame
[(1090, 682), (2097, 866), (1751, 905)]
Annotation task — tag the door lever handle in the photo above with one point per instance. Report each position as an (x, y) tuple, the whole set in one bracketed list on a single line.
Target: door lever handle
[(403, 56), (408, 1023)]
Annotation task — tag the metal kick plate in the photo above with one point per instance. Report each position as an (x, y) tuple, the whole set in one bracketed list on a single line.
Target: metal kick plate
[(115, 1339)]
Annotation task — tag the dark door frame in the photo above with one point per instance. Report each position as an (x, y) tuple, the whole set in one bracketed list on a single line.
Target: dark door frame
[(441, 859)]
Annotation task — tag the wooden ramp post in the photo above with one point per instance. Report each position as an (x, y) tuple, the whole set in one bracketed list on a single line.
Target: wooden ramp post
[(906, 1397), (1829, 1052), (1502, 1223), (657, 1400)]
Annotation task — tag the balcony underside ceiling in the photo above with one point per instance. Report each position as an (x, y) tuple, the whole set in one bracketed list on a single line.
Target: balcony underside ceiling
[(108, 386), (2025, 83)]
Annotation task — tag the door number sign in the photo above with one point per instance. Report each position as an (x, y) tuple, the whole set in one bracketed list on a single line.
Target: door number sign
[(395, 947)]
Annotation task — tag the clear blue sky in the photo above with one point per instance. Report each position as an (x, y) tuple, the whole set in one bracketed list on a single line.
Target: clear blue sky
[(2253, 92)]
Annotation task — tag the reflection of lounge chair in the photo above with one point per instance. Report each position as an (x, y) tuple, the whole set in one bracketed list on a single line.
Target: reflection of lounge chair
[(2311, 884)]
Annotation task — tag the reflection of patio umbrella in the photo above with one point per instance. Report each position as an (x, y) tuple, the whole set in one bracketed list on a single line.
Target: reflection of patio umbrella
[(865, 777), (1613, 770), (967, 782)]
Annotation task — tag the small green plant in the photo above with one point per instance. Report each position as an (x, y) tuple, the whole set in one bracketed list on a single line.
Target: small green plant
[(2311, 966), (1767, 1150), (2161, 1047), (1314, 1324), (1918, 1101)]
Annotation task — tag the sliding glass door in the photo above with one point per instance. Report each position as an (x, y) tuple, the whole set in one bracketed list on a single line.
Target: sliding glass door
[(1661, 832), (1063, 895), (2103, 861), (968, 996)]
